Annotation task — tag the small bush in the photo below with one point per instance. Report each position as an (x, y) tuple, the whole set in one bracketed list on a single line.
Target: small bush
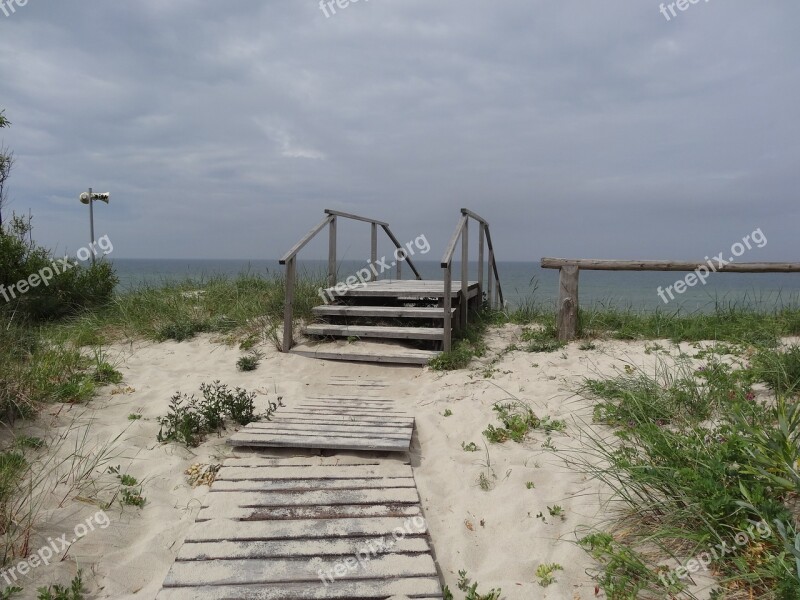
[(518, 420), (249, 362), (190, 419)]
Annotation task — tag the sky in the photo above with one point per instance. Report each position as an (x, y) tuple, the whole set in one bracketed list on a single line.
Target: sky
[(576, 128)]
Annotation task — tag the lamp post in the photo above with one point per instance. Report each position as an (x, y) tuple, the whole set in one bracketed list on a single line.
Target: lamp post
[(90, 198)]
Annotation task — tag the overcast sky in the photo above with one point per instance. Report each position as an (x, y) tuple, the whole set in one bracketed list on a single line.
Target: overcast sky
[(577, 128)]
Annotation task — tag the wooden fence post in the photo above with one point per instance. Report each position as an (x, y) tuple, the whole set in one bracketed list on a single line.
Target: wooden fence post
[(568, 303), (332, 253), (288, 324)]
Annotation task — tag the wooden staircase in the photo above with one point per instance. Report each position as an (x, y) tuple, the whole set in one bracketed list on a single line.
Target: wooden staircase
[(409, 313), (391, 320)]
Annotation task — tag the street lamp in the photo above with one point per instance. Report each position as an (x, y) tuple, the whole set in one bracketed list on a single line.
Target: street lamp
[(90, 198)]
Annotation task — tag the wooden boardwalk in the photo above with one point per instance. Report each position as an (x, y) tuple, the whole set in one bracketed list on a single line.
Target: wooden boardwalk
[(303, 528), (340, 421), (334, 527)]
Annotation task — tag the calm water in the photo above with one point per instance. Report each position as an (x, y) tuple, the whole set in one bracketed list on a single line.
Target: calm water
[(521, 281)]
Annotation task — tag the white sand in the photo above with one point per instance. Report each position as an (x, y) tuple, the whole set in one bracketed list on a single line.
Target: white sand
[(495, 535)]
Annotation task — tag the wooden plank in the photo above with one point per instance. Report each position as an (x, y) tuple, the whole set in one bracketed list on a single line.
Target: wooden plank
[(259, 461), (376, 429), (296, 485), (302, 416), (358, 434), (263, 571), (363, 424), (334, 407), (343, 511), (312, 497), (344, 590), (373, 331), (295, 548), (235, 473), (355, 398), (669, 265), (251, 439), (224, 529), (416, 357), (324, 409), (568, 304), (384, 312)]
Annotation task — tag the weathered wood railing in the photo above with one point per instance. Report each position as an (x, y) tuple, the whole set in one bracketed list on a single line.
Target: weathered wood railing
[(569, 272), (494, 292), (330, 221)]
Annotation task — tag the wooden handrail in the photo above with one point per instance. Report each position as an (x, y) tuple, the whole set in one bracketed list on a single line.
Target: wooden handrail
[(338, 213), (399, 246), (477, 217), (494, 295), (306, 238), (451, 246), (330, 221), (569, 275), (591, 264)]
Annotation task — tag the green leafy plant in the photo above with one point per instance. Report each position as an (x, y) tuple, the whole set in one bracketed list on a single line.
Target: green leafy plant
[(249, 362), (471, 589), (447, 413), (10, 592), (471, 447), (60, 592), (546, 573), (518, 421), (189, 419)]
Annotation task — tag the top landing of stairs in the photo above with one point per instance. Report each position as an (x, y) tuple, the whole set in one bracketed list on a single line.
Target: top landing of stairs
[(394, 288)]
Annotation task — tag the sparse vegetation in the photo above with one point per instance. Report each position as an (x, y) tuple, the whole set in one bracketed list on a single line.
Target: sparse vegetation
[(249, 362), (698, 459), (190, 419), (546, 573), (60, 592), (518, 420)]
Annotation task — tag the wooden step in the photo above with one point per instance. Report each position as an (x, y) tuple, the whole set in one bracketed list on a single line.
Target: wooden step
[(386, 352), (402, 290), (371, 331), (385, 312)]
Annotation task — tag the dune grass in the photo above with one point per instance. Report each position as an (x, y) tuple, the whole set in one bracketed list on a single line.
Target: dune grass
[(706, 474)]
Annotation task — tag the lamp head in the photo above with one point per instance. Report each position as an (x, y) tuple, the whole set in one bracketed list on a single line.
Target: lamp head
[(103, 197)]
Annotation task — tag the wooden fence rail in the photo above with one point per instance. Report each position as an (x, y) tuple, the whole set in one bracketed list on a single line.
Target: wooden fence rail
[(569, 273)]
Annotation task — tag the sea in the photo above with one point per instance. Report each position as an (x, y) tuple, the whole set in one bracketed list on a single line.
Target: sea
[(523, 283)]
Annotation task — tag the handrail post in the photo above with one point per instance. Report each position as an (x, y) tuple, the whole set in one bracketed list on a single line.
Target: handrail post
[(447, 303), (332, 253), (490, 275), (481, 243), (374, 244), (464, 273), (291, 272)]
